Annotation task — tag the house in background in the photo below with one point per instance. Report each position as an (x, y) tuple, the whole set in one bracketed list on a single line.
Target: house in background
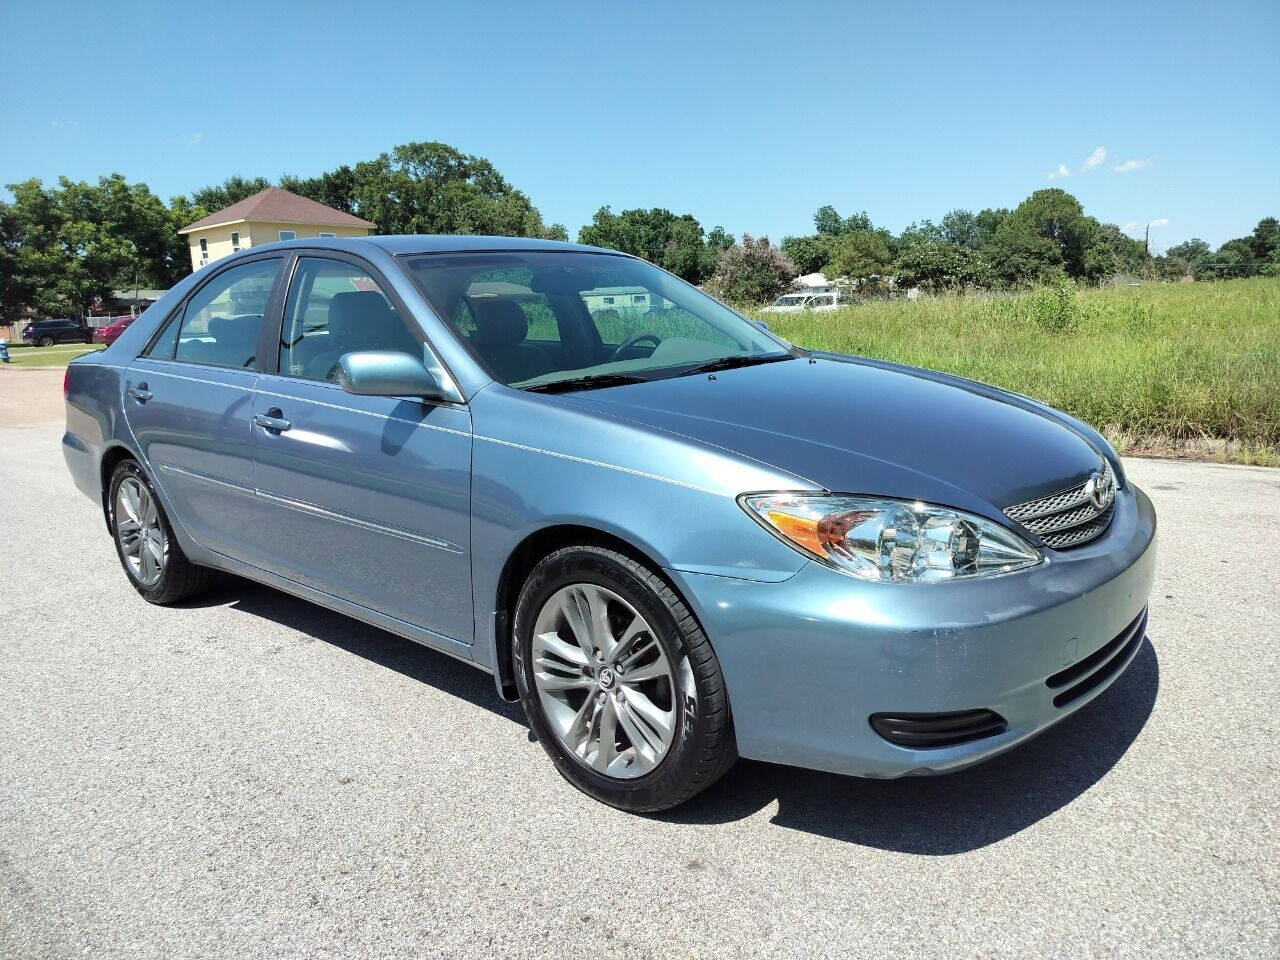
[(267, 216)]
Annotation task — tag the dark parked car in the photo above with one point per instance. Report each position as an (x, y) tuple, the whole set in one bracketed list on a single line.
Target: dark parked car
[(45, 333), (108, 332)]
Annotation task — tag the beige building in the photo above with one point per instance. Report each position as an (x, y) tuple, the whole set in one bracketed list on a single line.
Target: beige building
[(269, 215)]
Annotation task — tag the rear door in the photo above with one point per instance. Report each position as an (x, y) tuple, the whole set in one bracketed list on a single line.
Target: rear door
[(189, 399), (365, 498)]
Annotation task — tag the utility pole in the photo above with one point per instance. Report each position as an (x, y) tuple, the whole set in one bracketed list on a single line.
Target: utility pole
[(1146, 244)]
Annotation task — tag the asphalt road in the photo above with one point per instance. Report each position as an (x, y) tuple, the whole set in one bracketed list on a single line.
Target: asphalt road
[(251, 776)]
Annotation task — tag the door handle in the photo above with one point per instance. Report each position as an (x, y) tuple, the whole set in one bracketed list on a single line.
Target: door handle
[(140, 393), (272, 421)]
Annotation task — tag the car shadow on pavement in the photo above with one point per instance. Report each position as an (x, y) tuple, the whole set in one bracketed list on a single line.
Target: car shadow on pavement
[(932, 816), (413, 660), (954, 813)]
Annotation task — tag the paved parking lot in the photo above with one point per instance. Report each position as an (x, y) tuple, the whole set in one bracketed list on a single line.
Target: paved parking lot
[(251, 776)]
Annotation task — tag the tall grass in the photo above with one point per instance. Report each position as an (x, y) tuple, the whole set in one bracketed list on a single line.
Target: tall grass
[(1159, 363)]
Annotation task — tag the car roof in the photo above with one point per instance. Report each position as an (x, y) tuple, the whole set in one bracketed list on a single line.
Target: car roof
[(432, 243)]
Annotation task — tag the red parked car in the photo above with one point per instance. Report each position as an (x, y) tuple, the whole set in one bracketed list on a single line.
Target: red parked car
[(108, 332)]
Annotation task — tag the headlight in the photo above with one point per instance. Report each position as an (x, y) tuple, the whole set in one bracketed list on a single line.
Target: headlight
[(890, 540)]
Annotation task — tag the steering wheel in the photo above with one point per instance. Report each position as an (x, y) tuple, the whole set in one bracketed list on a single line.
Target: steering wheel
[(631, 341)]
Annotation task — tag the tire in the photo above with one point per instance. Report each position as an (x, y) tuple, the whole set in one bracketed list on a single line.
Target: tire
[(178, 578), (45, 341), (699, 747)]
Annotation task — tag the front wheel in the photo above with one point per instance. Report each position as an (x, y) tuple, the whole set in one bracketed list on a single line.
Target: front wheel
[(46, 341), (619, 682)]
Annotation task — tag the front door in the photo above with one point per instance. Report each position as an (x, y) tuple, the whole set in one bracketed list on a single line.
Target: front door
[(365, 498), (188, 399)]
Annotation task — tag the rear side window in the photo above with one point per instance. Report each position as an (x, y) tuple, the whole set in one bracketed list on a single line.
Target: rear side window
[(335, 308), (219, 325)]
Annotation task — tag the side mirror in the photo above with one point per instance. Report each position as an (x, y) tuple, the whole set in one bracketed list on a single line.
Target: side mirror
[(761, 324), (387, 373)]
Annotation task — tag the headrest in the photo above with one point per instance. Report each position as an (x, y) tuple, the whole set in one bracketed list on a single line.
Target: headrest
[(499, 323), (361, 310), (227, 328)]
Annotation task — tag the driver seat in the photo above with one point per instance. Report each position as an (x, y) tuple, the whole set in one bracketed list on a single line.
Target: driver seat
[(501, 328)]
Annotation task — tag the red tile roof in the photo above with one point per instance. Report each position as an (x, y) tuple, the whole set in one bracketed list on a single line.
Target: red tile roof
[(274, 205)]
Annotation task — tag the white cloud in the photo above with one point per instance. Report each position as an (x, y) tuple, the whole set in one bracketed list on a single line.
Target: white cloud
[(1094, 159), (1062, 171), (1139, 226), (62, 123), (194, 139), (1131, 165)]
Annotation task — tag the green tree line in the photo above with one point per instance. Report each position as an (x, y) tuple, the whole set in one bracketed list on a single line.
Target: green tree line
[(65, 247)]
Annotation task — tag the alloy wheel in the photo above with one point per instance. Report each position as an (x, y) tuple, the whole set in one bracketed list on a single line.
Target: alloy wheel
[(604, 681), (142, 539)]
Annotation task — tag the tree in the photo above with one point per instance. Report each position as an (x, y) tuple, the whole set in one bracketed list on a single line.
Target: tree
[(753, 273), (673, 242), (1234, 259), (1194, 252), (1110, 252), (863, 257), (335, 188), (960, 228), (1019, 256), (69, 246), (1266, 238), (926, 231), (987, 223), (829, 223), (938, 267), (810, 253), (1057, 216), (430, 187)]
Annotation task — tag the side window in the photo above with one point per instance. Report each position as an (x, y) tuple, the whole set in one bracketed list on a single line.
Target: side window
[(219, 326), (335, 308)]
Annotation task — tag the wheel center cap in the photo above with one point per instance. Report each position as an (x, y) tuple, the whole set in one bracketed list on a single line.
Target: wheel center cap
[(606, 678)]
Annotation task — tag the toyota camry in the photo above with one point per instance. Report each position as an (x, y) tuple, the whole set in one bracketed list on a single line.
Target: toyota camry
[(673, 536)]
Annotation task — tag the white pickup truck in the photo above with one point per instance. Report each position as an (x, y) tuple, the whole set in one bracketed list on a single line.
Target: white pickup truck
[(795, 302)]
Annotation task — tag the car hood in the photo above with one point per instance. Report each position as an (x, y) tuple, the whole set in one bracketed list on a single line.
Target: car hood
[(863, 427)]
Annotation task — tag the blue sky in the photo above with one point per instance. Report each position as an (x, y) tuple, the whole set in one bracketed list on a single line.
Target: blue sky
[(748, 115)]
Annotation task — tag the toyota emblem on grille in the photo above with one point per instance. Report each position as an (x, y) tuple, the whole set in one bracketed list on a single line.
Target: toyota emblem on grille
[(1099, 488)]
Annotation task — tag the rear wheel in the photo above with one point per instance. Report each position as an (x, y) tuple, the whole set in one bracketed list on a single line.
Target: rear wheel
[(46, 341), (619, 682), (145, 544)]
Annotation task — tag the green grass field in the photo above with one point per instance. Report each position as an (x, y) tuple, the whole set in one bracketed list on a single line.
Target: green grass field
[(1162, 369), (59, 355)]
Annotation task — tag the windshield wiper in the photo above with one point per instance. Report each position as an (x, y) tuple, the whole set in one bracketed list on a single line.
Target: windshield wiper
[(737, 360), (590, 381)]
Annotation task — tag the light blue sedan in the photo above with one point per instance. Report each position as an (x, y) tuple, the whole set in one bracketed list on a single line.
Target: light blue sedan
[(674, 537)]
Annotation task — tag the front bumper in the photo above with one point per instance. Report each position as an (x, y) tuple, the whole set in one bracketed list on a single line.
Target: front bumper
[(809, 660)]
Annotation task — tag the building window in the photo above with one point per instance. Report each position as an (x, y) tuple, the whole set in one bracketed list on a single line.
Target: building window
[(287, 235), (204, 250), (638, 298), (235, 240), (608, 299), (326, 234)]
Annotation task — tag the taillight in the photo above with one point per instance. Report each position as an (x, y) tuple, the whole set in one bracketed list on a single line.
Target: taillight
[(66, 381)]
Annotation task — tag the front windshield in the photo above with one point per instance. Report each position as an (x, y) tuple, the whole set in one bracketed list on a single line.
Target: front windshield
[(791, 301), (538, 318)]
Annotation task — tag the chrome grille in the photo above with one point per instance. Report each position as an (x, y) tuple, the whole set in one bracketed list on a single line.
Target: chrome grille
[(1069, 517)]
